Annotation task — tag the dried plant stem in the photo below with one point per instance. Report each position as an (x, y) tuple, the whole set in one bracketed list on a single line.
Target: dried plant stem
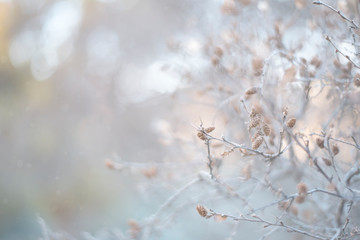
[(339, 51), (337, 140), (257, 219), (210, 161), (354, 25)]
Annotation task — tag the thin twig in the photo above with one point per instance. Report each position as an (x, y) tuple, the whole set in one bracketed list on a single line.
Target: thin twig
[(354, 25), (343, 54)]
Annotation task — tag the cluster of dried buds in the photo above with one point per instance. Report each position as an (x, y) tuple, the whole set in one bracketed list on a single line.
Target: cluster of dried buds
[(261, 127), (302, 192), (202, 132)]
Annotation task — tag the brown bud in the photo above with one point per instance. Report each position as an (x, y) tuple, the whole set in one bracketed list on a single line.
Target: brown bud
[(320, 142), (219, 52), (251, 91), (254, 122), (257, 143), (201, 210), (285, 111), (316, 62), (335, 149), (284, 205), (215, 60), (257, 65), (327, 161), (255, 136), (201, 135), (300, 198), (266, 129), (209, 129), (291, 122), (302, 188)]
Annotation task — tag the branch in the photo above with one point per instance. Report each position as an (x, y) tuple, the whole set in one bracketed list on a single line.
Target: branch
[(343, 54), (354, 25)]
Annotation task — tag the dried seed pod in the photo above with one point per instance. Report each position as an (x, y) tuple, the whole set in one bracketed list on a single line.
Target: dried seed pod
[(201, 135), (215, 61), (201, 210), (320, 142), (255, 136), (285, 111), (335, 149), (302, 188), (327, 161), (266, 129), (291, 122), (229, 7), (251, 91), (253, 112), (209, 129), (316, 62), (284, 205), (254, 122), (257, 143), (219, 52), (257, 65), (300, 198)]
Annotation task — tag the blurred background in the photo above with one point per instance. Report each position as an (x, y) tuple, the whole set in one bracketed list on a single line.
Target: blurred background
[(84, 82)]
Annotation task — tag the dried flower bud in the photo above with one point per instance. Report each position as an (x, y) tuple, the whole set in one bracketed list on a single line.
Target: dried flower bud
[(215, 60), (251, 91), (229, 7), (284, 205), (266, 129), (291, 122), (327, 161), (257, 65), (320, 142), (300, 198), (201, 135), (285, 111), (302, 188), (335, 149), (219, 52), (209, 129), (254, 122), (202, 210), (316, 62), (257, 143), (253, 112), (255, 136)]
